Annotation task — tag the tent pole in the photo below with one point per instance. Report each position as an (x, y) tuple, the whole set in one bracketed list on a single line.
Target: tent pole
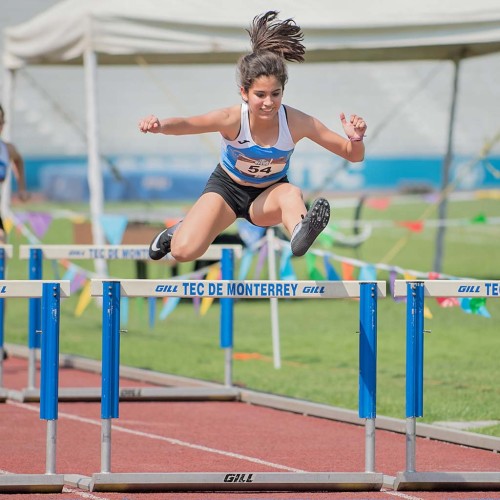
[(445, 181), (8, 106), (94, 168)]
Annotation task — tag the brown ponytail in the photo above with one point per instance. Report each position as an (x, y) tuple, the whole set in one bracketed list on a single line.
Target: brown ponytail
[(283, 37), (273, 43)]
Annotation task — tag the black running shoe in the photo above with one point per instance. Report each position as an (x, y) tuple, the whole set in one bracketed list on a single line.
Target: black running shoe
[(308, 229), (160, 246)]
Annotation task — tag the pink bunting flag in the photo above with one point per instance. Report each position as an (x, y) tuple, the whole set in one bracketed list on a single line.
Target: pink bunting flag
[(260, 261), (415, 226), (39, 222), (78, 282), (443, 301), (393, 274), (378, 203)]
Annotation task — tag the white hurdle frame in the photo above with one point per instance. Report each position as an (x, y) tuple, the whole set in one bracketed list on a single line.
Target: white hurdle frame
[(36, 253), (112, 291), (415, 293), (51, 292)]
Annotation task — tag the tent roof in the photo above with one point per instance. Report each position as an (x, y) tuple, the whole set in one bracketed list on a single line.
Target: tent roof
[(192, 31)]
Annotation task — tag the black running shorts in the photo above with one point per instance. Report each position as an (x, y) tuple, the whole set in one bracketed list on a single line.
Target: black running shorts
[(238, 197)]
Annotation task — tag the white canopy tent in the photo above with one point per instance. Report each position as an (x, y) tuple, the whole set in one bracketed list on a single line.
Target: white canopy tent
[(104, 32)]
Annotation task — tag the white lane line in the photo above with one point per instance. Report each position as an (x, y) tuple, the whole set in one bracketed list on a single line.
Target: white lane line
[(83, 494), (177, 442), (400, 495)]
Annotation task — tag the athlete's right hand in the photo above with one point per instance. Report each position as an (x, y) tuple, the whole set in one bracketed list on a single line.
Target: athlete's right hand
[(150, 124)]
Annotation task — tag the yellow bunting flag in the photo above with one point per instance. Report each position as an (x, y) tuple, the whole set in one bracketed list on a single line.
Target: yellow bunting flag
[(427, 313), (206, 302), (78, 219), (8, 224), (84, 300)]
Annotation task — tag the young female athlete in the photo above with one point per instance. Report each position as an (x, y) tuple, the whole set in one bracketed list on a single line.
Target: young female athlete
[(9, 155), (258, 139)]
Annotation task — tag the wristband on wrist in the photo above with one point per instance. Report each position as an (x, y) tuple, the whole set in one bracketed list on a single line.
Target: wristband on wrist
[(356, 139)]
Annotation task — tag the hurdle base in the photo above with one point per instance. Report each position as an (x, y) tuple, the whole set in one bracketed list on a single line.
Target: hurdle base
[(447, 481), (78, 481), (3, 395), (68, 394), (248, 481), (31, 483)]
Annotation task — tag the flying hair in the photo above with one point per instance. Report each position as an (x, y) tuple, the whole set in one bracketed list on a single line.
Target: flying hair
[(268, 33)]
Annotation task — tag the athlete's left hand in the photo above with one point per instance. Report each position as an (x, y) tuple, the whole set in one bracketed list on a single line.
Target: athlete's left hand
[(23, 195), (355, 128)]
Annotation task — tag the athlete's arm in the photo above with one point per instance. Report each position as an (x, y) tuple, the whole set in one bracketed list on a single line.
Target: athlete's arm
[(226, 121), (303, 125), (18, 170)]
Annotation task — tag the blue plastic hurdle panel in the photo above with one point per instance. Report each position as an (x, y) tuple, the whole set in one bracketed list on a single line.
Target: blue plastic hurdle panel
[(5, 252), (50, 293), (36, 254), (112, 291), (415, 293)]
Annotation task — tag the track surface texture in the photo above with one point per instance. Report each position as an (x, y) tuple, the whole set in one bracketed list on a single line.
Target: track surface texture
[(210, 436)]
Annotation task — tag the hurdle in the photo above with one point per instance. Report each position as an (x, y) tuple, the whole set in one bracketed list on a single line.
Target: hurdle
[(5, 251), (415, 291), (50, 294), (35, 254), (112, 291)]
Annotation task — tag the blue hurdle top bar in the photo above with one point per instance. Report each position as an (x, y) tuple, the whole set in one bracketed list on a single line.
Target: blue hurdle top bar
[(234, 289)]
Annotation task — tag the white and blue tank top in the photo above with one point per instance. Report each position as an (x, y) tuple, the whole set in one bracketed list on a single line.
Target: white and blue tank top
[(252, 163), (4, 160)]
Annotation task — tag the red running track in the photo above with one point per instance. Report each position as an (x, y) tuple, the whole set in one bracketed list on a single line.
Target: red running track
[(210, 437)]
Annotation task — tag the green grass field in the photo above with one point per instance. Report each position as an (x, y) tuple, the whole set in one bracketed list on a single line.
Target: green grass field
[(319, 343)]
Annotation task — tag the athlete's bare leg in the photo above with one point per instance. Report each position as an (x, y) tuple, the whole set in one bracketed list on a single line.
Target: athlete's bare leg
[(283, 203), (207, 218), (279, 204)]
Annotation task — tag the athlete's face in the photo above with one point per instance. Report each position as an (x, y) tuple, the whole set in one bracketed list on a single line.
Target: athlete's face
[(264, 96)]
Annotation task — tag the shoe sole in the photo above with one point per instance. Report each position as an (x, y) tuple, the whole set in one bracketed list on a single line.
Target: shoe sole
[(317, 219)]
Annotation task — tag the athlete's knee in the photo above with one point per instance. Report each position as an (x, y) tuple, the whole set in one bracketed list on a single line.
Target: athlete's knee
[(183, 251), (293, 191), (290, 196)]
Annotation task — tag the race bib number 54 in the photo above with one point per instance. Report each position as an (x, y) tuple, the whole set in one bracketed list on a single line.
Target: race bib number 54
[(260, 168)]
